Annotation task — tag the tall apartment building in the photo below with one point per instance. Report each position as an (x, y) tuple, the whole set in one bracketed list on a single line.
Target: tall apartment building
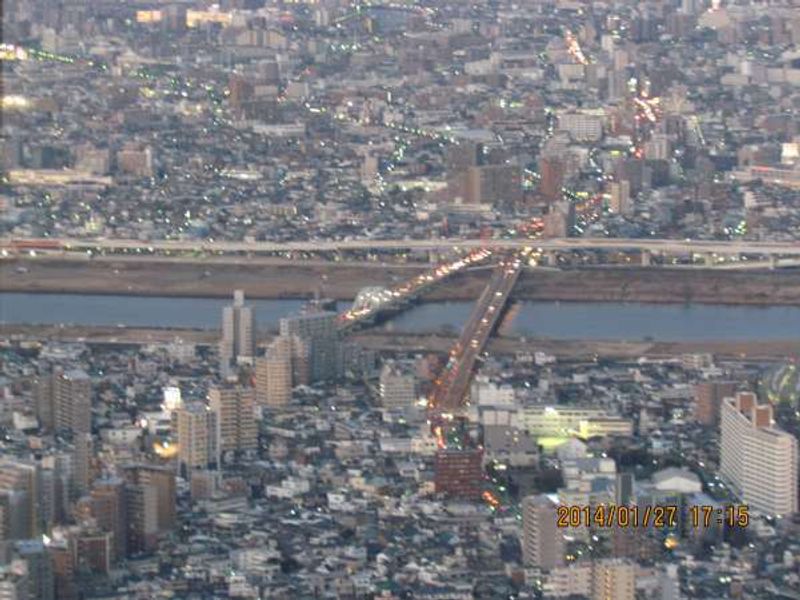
[(238, 334), (496, 185), (607, 579), (317, 330), (82, 463), (398, 389), (756, 458), (542, 541), (150, 505), (552, 171), (274, 374), (20, 500), (708, 397), (621, 202), (613, 579), (108, 509), (197, 431), (64, 401), (235, 410)]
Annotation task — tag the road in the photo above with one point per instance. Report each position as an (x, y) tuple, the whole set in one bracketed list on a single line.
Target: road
[(655, 246), (453, 383)]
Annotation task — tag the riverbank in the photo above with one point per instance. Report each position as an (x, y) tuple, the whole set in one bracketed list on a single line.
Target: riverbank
[(381, 341), (275, 278)]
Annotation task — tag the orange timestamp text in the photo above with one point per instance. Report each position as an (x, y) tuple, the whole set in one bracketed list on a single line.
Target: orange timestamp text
[(666, 516), (612, 515)]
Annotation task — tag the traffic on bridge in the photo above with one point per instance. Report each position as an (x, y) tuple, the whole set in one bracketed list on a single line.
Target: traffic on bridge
[(453, 383), (396, 297), (668, 246)]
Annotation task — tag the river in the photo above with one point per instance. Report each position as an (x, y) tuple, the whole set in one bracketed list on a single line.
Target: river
[(558, 320)]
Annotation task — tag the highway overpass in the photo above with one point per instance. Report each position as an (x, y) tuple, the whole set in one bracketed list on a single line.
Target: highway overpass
[(652, 246)]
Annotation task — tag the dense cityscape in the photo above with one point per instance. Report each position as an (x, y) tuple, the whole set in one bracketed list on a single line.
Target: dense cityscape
[(392, 300)]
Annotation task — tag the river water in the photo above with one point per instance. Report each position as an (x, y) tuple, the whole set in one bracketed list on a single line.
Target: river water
[(559, 320)]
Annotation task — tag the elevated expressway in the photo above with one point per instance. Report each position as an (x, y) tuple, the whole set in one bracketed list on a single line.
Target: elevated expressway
[(646, 246)]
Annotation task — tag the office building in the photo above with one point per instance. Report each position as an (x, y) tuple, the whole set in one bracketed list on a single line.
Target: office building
[(197, 427), (756, 458), (274, 374), (558, 421), (397, 388), (235, 412), (708, 397), (459, 473), (238, 334), (542, 541)]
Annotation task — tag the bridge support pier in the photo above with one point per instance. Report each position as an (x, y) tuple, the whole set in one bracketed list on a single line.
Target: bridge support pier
[(551, 258), (647, 258), (773, 262), (708, 259)]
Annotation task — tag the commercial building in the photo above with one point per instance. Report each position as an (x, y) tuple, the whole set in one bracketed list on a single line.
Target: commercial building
[(558, 421), (756, 458)]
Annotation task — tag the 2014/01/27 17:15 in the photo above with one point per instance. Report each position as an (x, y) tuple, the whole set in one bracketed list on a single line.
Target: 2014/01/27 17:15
[(732, 515)]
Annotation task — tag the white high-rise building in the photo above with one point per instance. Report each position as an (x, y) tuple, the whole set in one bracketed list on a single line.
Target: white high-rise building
[(621, 202), (542, 541), (274, 373), (197, 430), (756, 458), (238, 334)]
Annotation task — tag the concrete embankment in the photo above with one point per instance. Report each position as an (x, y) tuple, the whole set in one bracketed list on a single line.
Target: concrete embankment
[(423, 343)]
